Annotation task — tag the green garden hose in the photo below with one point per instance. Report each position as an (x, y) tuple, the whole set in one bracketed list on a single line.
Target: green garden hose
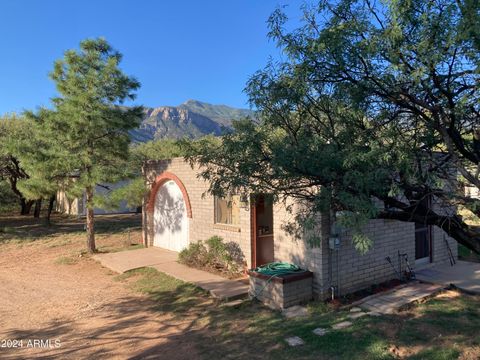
[(277, 268)]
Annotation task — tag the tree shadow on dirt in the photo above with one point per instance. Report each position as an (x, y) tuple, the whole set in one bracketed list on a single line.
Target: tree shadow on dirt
[(123, 327), (29, 228)]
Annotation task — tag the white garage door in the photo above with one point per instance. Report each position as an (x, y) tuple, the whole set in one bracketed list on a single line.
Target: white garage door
[(170, 219)]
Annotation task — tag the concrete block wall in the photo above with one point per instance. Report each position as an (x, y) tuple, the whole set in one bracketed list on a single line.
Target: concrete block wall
[(279, 295), (357, 271), (287, 248), (201, 224), (440, 253), (297, 292)]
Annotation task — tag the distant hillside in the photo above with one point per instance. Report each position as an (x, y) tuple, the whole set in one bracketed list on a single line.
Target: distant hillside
[(191, 119)]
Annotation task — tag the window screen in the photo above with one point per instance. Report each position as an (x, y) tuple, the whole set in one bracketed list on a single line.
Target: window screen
[(227, 210)]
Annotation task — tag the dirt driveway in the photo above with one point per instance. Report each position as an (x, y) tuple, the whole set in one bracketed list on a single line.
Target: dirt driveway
[(76, 308)]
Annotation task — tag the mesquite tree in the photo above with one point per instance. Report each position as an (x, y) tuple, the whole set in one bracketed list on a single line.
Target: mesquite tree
[(375, 110), (89, 130)]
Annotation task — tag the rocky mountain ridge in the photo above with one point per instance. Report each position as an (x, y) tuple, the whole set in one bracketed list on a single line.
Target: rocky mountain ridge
[(192, 119)]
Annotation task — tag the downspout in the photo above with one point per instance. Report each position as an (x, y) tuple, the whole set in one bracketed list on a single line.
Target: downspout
[(328, 267), (333, 251)]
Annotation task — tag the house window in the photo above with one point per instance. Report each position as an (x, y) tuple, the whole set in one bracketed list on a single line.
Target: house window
[(227, 210)]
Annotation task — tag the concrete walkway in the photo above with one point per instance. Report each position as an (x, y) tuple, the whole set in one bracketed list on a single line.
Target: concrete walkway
[(463, 275), (166, 262), (391, 301), (134, 259)]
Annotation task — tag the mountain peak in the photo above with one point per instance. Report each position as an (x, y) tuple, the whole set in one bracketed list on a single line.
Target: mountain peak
[(190, 119), (193, 102), (203, 104)]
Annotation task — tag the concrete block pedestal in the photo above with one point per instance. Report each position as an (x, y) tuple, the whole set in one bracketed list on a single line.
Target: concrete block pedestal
[(280, 292)]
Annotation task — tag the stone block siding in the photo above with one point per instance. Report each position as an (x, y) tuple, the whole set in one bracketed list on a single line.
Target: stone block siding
[(201, 224), (281, 295)]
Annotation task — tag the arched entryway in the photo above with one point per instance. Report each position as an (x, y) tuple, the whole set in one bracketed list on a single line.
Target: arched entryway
[(171, 210)]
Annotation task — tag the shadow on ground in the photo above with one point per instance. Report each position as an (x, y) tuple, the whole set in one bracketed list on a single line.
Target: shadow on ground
[(126, 326), (183, 323), (16, 227)]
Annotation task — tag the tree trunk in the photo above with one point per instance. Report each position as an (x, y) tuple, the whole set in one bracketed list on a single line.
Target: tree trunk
[(90, 221), (23, 206), (26, 206), (38, 208), (50, 209)]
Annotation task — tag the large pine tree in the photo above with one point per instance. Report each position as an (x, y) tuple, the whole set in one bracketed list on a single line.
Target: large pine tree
[(88, 129)]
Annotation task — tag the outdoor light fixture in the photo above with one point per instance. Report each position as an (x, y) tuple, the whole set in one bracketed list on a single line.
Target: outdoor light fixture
[(244, 203)]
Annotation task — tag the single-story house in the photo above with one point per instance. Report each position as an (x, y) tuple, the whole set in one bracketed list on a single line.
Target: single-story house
[(78, 206), (178, 210)]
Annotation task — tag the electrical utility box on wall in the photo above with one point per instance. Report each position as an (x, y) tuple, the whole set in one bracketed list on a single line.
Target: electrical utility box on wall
[(334, 243)]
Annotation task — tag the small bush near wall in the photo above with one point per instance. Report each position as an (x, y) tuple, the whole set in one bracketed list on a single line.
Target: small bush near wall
[(213, 255), (195, 255)]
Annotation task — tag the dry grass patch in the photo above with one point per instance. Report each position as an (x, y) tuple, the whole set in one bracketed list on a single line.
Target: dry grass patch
[(66, 260)]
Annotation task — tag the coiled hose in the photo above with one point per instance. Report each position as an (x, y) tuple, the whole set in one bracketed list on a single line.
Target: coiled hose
[(277, 268)]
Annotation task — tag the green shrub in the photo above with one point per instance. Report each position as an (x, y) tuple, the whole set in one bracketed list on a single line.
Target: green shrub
[(217, 252), (66, 260), (194, 255), (213, 253)]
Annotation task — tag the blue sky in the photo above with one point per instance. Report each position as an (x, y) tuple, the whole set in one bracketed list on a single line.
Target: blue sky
[(178, 49)]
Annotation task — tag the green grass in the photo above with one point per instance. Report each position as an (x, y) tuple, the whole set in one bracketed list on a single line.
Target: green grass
[(66, 260), (438, 329), (467, 254), (437, 354), (7, 230), (58, 242)]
